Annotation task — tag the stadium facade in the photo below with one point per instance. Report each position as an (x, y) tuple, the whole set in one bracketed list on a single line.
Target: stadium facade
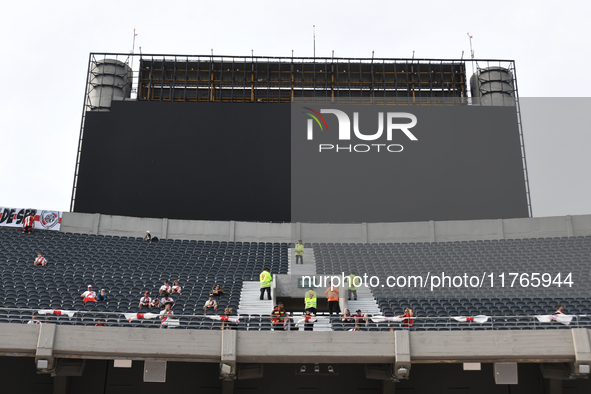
[(204, 152)]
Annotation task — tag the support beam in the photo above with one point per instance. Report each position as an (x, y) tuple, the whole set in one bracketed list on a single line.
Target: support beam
[(97, 222), (232, 231), (164, 228), (227, 387), (570, 232), (501, 228), (402, 353), (582, 348), (228, 355), (45, 344)]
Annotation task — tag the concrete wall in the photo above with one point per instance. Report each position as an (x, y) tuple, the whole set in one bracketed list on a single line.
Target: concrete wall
[(444, 231), (566, 345)]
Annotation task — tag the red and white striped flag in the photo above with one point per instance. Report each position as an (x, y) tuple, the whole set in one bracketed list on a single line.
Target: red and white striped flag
[(476, 319), (56, 312), (225, 318), (140, 316), (306, 319)]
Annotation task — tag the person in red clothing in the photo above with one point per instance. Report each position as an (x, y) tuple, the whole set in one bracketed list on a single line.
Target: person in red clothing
[(101, 323), (408, 322), (278, 317), (28, 224)]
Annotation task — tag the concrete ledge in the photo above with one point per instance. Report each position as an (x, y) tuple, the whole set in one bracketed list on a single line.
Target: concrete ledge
[(444, 231), (297, 347)]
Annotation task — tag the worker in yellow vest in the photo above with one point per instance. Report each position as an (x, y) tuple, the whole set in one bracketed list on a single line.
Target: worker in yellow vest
[(351, 288), (310, 301), (299, 252), (266, 278)]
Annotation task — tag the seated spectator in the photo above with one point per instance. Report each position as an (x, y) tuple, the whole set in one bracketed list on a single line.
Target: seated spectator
[(347, 319), (309, 319), (149, 238), (40, 260), (210, 304), (101, 323), (165, 288), (88, 295), (47, 320), (165, 314), (28, 224), (103, 295), (560, 310), (175, 287), (155, 302), (359, 318), (166, 300), (34, 320), (408, 313), (217, 292), (146, 301), (278, 316), (227, 325)]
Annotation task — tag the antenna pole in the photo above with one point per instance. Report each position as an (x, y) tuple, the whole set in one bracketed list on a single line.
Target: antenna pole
[(314, 28), (471, 53), (133, 47)]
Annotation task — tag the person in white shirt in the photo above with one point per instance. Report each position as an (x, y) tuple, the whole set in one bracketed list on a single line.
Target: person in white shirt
[(209, 304), (175, 287), (146, 301), (34, 320), (165, 314), (165, 288), (40, 260), (89, 293), (166, 300)]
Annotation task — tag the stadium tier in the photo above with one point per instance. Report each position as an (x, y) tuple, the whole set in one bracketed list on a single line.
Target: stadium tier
[(474, 258), (126, 267)]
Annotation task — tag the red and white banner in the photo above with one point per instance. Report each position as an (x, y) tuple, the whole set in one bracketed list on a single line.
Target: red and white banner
[(140, 316), (381, 319), (56, 312), (476, 319), (564, 319), (44, 220), (225, 318)]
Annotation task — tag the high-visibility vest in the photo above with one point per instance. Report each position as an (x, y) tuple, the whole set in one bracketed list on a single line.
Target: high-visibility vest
[(310, 300), (332, 295), (266, 278), (351, 285), (299, 249)]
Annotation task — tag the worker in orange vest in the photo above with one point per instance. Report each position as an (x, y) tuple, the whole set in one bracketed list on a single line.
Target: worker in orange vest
[(332, 293)]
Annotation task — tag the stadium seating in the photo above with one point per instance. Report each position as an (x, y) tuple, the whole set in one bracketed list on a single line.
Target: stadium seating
[(126, 267), (542, 255)]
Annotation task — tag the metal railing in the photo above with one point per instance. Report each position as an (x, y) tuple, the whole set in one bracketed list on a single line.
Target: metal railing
[(263, 322)]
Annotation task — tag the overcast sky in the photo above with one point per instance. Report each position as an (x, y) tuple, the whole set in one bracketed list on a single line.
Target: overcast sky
[(45, 47)]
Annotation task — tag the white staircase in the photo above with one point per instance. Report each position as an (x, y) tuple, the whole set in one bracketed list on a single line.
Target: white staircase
[(250, 304), (365, 302), (309, 266)]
